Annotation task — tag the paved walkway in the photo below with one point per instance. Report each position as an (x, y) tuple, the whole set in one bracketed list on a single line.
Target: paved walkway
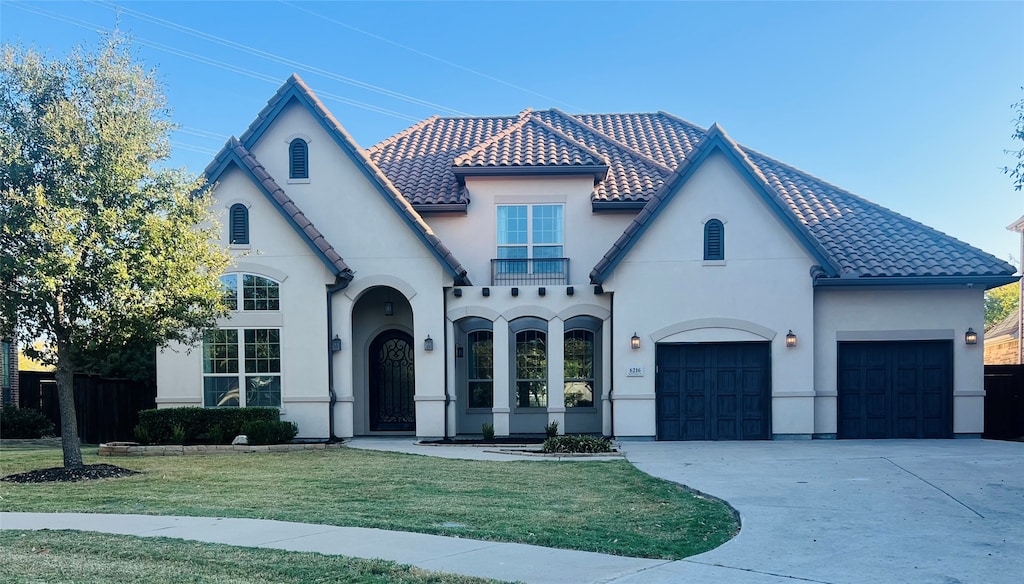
[(828, 512)]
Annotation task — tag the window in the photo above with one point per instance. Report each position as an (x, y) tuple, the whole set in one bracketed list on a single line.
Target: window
[(298, 158), (579, 368), (239, 229), (259, 369), (714, 240), (257, 292), (531, 362), (481, 369), (530, 232)]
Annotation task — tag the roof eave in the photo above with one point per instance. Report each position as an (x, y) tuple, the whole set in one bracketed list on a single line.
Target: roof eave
[(960, 281), (598, 171)]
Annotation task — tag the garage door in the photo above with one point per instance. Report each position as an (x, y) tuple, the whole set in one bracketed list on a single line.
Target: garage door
[(898, 389), (713, 391)]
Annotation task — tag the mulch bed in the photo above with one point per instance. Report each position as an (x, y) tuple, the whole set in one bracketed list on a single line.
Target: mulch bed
[(495, 441), (70, 475)]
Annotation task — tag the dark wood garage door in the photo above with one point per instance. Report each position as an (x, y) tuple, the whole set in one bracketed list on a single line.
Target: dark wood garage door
[(896, 389), (713, 391)]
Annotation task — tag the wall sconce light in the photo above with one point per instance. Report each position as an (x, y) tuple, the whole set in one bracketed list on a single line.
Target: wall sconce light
[(634, 342), (790, 339), (459, 351), (428, 344), (389, 308), (335, 344), (970, 337)]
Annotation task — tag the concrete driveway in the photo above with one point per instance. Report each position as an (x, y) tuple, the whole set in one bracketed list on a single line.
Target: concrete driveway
[(892, 511)]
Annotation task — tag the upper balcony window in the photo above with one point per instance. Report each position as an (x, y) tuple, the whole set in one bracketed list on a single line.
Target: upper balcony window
[(531, 242)]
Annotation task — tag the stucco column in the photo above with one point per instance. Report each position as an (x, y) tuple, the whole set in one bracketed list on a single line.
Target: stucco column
[(606, 376), (344, 409), (501, 378), (556, 373), (449, 352)]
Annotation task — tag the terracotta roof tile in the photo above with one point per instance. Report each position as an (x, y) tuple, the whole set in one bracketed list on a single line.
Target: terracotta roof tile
[(527, 143)]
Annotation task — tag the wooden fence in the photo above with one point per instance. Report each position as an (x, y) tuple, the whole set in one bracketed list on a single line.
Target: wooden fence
[(108, 409), (1004, 401)]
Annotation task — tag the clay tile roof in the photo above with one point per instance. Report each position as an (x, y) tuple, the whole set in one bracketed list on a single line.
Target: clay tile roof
[(235, 152), (645, 154)]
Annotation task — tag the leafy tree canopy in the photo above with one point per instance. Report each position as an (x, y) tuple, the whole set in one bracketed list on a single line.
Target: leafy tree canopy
[(1001, 301), (101, 245)]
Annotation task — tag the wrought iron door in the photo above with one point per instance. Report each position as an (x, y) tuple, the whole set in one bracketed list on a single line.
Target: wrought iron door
[(392, 382)]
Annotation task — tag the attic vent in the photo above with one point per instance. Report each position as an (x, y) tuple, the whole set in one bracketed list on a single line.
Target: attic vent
[(298, 153), (714, 240), (239, 229)]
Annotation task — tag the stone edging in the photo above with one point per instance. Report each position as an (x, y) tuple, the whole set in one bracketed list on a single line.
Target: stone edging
[(612, 454), (134, 449)]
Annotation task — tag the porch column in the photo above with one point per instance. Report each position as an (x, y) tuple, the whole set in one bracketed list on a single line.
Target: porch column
[(450, 368), (606, 376), (344, 409), (502, 372), (556, 373)]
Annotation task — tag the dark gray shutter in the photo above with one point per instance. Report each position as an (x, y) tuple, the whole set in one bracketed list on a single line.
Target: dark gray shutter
[(299, 158), (239, 229), (714, 240)]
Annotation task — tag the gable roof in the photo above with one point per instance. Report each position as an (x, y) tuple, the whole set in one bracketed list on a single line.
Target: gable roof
[(1007, 326), (652, 154), (233, 154), (294, 89)]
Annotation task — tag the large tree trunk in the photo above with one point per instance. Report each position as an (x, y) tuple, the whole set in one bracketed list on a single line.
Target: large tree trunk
[(68, 418)]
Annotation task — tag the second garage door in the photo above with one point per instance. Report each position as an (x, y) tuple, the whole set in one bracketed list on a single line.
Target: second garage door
[(895, 389), (713, 391)]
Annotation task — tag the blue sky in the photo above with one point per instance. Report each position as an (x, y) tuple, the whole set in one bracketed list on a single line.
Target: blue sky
[(907, 104)]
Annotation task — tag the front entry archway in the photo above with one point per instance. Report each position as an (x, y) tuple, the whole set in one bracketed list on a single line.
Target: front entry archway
[(392, 382)]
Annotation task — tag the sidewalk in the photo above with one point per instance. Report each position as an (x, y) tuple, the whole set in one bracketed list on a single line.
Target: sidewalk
[(502, 561)]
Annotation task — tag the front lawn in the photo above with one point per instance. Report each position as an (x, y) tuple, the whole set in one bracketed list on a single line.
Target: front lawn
[(607, 507), (90, 558)]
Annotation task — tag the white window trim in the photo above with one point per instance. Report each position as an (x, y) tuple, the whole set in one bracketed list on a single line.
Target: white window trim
[(530, 245), (242, 373)]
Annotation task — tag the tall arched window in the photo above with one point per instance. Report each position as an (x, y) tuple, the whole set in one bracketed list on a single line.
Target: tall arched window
[(239, 229), (714, 240), (298, 157), (530, 362)]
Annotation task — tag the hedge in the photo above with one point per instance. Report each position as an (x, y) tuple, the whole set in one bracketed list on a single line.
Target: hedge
[(577, 443), (198, 425), (24, 423)]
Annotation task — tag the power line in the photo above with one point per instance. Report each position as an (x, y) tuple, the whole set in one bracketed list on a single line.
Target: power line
[(428, 55), (275, 58)]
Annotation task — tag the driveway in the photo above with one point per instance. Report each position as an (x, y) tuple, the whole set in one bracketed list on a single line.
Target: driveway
[(892, 511)]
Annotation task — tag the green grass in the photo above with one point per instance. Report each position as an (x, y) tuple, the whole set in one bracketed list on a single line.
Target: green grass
[(89, 558), (607, 507)]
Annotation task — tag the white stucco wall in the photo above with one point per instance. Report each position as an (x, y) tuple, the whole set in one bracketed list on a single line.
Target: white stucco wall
[(895, 315), (666, 292)]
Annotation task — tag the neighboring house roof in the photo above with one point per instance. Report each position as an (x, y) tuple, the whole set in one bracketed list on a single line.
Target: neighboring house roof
[(234, 154), (854, 240), (1017, 225), (1007, 326), (294, 89)]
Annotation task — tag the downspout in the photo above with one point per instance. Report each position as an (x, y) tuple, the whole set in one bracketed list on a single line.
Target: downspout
[(339, 285)]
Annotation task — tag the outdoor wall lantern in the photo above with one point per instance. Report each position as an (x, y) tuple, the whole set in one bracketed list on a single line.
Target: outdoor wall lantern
[(335, 344), (634, 342), (389, 308), (790, 339), (428, 344), (970, 337), (459, 352)]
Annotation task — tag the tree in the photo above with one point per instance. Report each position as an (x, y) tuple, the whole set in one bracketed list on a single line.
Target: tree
[(1001, 301), (1017, 172), (101, 245)]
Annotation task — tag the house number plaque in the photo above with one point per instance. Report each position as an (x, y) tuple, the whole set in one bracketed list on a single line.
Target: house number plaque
[(635, 372)]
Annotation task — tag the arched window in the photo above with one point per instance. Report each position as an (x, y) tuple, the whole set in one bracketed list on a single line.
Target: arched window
[(298, 157), (714, 240), (581, 352), (239, 228), (530, 365)]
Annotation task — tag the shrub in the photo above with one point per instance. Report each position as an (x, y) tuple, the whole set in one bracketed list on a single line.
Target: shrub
[(269, 432), (199, 425), (142, 435), (577, 443), (488, 431), (551, 430), (24, 423)]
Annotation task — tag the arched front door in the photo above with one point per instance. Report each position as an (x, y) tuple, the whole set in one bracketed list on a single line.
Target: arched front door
[(392, 382)]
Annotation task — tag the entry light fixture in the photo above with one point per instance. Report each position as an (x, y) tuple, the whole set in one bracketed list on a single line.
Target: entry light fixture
[(428, 344), (459, 351), (335, 344), (970, 337), (790, 339), (634, 342), (389, 308)]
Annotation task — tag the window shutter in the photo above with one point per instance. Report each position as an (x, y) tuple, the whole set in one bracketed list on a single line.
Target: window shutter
[(714, 240), (239, 229), (299, 159)]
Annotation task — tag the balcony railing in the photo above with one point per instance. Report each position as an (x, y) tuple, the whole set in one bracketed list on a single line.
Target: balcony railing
[(529, 272)]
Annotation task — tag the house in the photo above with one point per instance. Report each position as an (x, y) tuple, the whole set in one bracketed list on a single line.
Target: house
[(8, 372), (632, 275), (1002, 341)]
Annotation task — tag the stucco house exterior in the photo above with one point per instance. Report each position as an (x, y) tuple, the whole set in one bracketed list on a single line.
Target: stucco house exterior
[(632, 275)]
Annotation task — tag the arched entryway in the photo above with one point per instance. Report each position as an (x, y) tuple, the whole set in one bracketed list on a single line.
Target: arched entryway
[(392, 384)]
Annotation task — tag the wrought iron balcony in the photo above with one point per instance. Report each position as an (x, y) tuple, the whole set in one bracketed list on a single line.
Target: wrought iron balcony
[(529, 271)]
